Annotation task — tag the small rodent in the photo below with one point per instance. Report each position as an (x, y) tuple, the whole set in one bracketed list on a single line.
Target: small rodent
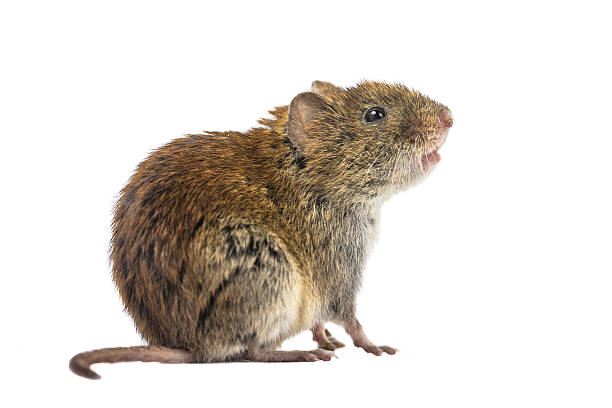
[(224, 244)]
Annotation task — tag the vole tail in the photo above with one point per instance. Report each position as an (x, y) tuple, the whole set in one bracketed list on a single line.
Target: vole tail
[(80, 363)]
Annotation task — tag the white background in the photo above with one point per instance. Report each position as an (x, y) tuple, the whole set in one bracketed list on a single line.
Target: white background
[(493, 277)]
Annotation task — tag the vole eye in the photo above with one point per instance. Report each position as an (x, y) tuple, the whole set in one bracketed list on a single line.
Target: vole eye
[(374, 114)]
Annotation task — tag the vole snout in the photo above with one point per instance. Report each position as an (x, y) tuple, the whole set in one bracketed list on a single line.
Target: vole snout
[(446, 118), (446, 121)]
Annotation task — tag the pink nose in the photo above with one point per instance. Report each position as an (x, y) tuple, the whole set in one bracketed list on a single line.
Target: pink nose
[(446, 118)]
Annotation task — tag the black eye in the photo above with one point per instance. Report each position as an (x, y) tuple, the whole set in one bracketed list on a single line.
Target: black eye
[(374, 114)]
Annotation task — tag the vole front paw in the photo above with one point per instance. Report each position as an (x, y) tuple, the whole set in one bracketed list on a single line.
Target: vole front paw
[(355, 330), (324, 338), (374, 349)]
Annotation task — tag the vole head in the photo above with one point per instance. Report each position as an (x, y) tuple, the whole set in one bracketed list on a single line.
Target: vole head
[(369, 140)]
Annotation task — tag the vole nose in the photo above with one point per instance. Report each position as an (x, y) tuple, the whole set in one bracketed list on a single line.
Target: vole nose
[(446, 118)]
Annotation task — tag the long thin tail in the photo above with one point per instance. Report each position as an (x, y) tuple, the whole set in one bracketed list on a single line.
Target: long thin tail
[(80, 363)]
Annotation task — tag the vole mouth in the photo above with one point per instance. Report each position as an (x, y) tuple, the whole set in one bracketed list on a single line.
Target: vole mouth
[(430, 158)]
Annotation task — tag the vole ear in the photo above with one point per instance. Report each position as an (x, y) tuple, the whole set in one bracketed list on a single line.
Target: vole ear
[(326, 88), (302, 111)]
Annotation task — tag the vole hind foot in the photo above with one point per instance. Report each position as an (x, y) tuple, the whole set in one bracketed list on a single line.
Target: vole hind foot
[(281, 356), (324, 338)]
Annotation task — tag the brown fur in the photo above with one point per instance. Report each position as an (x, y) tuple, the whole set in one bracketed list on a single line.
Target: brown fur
[(226, 242)]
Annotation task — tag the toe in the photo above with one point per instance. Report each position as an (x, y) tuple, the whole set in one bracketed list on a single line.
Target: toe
[(388, 350), (324, 355), (374, 350), (310, 357)]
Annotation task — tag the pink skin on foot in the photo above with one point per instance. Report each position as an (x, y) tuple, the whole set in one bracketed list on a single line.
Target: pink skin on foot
[(355, 330), (281, 356)]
